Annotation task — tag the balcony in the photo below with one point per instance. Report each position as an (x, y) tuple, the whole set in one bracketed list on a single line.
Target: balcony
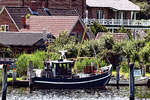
[(116, 23)]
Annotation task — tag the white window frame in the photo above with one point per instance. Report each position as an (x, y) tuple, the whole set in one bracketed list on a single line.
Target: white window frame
[(100, 14), (6, 28)]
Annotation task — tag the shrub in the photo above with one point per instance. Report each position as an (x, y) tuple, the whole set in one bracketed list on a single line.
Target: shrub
[(124, 67), (37, 58), (122, 30), (96, 27), (22, 63), (54, 56)]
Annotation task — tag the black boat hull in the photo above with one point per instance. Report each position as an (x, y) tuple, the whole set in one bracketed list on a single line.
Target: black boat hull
[(99, 80)]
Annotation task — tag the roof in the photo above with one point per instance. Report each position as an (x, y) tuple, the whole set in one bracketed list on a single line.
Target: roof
[(115, 4), (116, 36), (63, 12), (53, 24), (19, 39), (16, 13)]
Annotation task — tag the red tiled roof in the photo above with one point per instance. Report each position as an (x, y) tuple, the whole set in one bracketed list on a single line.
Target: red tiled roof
[(116, 36), (53, 24)]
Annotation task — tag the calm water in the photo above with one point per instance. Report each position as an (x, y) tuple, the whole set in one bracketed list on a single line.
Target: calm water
[(110, 93)]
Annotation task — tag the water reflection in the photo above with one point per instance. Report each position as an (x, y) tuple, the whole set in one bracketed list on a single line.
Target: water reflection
[(110, 93)]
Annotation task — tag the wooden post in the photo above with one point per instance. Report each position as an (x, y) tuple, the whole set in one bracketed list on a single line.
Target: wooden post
[(14, 74), (30, 76), (117, 77), (4, 84), (131, 84), (14, 77)]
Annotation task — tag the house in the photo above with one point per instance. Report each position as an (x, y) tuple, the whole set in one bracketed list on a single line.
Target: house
[(21, 42), (116, 36), (78, 5), (12, 18), (115, 13), (111, 9), (10, 3), (73, 25)]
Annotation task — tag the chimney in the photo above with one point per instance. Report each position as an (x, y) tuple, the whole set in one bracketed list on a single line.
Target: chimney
[(23, 21), (33, 5)]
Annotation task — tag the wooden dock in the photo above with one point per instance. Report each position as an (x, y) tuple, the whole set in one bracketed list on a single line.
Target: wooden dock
[(145, 81)]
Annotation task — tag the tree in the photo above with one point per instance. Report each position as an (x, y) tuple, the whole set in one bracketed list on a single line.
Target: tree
[(96, 27)]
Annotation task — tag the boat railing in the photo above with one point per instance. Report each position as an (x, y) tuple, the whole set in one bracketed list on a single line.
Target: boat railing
[(107, 68)]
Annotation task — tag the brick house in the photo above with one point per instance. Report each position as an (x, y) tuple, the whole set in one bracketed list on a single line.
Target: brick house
[(21, 42), (10, 3), (115, 13), (55, 25), (111, 9), (78, 5), (14, 18), (11, 17)]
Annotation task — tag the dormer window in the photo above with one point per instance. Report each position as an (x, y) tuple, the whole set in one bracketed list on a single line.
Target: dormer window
[(4, 28)]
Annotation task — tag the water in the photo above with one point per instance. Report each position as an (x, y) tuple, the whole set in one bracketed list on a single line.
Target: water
[(110, 93)]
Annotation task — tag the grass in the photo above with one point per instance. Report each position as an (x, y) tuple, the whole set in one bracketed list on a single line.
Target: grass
[(126, 75), (10, 79)]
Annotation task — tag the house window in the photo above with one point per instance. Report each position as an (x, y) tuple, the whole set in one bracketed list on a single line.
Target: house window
[(119, 15), (80, 37), (100, 14), (4, 28)]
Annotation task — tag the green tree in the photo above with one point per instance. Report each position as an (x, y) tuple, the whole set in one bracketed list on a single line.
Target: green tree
[(96, 27)]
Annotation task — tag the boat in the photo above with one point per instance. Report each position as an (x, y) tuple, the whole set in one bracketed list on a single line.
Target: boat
[(59, 74), (57, 79)]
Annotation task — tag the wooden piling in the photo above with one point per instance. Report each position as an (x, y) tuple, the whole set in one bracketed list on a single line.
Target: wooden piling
[(30, 76), (131, 83), (4, 84), (117, 77), (14, 75)]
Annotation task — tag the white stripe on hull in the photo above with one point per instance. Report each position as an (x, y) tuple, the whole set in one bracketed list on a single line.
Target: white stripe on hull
[(47, 82)]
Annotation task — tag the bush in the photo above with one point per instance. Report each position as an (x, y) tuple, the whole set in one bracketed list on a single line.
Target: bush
[(96, 27), (124, 67), (122, 30), (87, 62), (54, 56), (37, 58), (22, 63)]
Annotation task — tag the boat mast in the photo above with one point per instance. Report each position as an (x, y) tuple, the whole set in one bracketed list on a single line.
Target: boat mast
[(85, 30)]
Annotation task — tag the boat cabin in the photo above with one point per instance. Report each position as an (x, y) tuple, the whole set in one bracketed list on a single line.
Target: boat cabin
[(58, 69)]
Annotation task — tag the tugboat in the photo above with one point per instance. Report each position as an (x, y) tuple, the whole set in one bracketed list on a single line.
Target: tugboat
[(58, 74)]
